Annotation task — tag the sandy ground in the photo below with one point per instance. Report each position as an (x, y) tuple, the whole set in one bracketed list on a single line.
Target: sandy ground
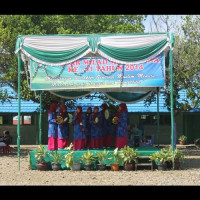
[(188, 175)]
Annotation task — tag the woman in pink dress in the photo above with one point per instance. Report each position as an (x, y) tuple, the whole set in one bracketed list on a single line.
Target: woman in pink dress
[(63, 128), (53, 128)]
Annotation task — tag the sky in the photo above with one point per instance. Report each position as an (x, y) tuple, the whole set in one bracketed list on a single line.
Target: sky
[(149, 20)]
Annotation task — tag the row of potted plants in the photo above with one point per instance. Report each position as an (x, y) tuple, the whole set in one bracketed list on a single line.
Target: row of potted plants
[(163, 159), (126, 155)]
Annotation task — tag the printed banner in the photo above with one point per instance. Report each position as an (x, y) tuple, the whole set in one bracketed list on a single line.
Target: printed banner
[(97, 73)]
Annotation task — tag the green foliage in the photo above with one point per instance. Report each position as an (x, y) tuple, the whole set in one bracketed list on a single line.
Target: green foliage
[(182, 138), (101, 156), (115, 155), (166, 154), (128, 155), (88, 157), (69, 157), (13, 25), (56, 157), (40, 153)]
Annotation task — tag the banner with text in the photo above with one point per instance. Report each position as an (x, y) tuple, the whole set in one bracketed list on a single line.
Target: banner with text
[(97, 73)]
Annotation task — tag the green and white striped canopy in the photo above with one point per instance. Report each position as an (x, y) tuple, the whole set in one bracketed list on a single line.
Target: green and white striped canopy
[(54, 50)]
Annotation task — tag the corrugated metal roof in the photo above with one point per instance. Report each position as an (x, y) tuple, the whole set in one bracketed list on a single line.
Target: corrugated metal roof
[(12, 106), (30, 106)]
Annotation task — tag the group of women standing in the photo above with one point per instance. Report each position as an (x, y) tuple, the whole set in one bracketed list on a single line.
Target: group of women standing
[(91, 129)]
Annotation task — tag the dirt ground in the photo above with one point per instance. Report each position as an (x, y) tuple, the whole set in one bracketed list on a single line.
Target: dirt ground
[(188, 175)]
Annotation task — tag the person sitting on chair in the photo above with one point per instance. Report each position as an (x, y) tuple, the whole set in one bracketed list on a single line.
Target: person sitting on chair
[(6, 139)]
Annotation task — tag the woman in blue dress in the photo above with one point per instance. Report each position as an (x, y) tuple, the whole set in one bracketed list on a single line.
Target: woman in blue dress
[(96, 140), (88, 127), (78, 120), (121, 127), (106, 127), (63, 128), (52, 128)]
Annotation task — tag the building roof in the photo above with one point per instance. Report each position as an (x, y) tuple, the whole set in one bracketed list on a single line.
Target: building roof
[(30, 106)]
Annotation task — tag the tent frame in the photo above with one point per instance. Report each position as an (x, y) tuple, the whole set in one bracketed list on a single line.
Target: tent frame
[(40, 118)]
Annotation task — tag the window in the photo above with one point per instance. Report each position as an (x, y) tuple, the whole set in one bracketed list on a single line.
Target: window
[(4, 120), (15, 120), (27, 119)]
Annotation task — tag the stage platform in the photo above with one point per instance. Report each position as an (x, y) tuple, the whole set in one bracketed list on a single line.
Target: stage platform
[(142, 151)]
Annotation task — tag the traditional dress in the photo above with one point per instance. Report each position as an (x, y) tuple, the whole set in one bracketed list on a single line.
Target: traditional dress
[(121, 128), (106, 127), (78, 120), (88, 127), (63, 129), (96, 140), (53, 128)]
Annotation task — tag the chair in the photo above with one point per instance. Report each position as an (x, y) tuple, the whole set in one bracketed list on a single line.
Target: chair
[(6, 149)]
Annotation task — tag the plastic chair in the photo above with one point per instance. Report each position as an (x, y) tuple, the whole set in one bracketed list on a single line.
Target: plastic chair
[(6, 149)]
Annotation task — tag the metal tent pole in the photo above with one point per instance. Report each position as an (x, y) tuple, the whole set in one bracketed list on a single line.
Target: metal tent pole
[(40, 120), (19, 108), (158, 119), (172, 104)]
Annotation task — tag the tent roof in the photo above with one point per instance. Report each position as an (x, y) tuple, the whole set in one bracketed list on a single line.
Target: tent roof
[(129, 48)]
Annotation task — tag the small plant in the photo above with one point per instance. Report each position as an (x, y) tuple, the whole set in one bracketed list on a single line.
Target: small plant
[(182, 139), (88, 157), (116, 156), (101, 156), (197, 141), (56, 157), (69, 157), (40, 153), (128, 155)]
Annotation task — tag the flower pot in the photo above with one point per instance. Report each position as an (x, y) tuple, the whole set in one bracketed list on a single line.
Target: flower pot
[(177, 164), (182, 142), (42, 166), (114, 166), (56, 166), (88, 167), (76, 166), (162, 167), (168, 164), (101, 167), (129, 166)]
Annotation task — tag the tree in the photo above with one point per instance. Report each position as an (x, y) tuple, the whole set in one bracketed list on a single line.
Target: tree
[(186, 63), (13, 25)]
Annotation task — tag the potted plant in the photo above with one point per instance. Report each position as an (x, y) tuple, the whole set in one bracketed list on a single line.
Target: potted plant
[(129, 157), (70, 161), (160, 159), (88, 159), (101, 157), (182, 139), (197, 142), (115, 166), (178, 156), (56, 159), (40, 155)]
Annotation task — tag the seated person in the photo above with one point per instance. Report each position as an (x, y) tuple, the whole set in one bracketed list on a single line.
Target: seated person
[(130, 136), (6, 139)]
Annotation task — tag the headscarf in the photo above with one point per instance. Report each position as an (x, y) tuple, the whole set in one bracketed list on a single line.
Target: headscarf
[(95, 114), (123, 109), (53, 108), (79, 115), (63, 114), (63, 107), (104, 106)]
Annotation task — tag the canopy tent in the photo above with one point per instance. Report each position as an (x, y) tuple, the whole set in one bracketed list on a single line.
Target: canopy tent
[(50, 58)]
